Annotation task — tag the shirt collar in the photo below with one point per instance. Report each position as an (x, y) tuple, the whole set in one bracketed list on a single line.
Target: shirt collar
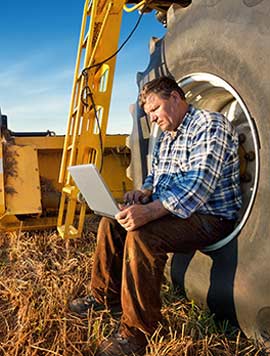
[(183, 124)]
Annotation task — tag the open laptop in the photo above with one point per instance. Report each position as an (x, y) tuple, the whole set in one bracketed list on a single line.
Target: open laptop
[(94, 189)]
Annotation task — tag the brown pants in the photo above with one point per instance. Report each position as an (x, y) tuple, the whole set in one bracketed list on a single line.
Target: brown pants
[(129, 266)]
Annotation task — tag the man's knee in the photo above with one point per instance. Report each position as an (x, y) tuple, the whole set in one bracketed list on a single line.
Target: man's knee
[(138, 237), (106, 223), (144, 248)]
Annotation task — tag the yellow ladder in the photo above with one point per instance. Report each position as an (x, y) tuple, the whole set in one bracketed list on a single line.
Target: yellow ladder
[(90, 101)]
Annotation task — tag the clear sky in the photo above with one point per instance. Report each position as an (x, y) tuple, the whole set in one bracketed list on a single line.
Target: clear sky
[(38, 46)]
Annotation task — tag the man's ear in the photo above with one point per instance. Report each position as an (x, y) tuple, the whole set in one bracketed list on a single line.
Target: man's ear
[(176, 96)]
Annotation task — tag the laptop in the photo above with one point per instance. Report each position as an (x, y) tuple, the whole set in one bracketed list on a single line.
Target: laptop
[(94, 189)]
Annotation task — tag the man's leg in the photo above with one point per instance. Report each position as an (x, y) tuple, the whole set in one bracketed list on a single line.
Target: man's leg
[(106, 276), (144, 260), (106, 272), (145, 255)]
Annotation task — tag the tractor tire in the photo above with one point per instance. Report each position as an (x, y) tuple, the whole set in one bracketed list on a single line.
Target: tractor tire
[(218, 52)]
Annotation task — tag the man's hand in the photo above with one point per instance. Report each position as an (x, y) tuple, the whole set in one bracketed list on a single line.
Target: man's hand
[(137, 197), (138, 215)]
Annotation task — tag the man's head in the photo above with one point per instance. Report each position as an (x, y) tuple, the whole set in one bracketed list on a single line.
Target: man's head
[(164, 102)]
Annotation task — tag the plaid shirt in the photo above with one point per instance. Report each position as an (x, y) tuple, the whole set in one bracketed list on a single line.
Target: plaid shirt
[(197, 167)]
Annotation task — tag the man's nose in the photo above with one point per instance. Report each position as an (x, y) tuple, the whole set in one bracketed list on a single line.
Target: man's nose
[(153, 117)]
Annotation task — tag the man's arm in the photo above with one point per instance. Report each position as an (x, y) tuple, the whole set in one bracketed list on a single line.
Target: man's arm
[(141, 196), (188, 192), (140, 214)]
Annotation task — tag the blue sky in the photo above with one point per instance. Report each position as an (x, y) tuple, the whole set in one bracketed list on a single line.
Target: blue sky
[(38, 42)]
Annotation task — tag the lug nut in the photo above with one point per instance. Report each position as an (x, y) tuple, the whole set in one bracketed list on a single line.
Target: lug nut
[(246, 178), (242, 138), (250, 156)]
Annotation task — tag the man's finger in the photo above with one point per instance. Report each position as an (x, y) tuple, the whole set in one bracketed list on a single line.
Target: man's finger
[(121, 215)]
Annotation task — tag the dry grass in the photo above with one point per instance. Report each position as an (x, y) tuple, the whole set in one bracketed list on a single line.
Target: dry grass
[(41, 272)]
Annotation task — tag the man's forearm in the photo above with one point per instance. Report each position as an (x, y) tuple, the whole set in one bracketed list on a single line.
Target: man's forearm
[(138, 215), (155, 210)]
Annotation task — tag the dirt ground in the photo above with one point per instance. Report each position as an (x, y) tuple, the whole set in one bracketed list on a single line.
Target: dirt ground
[(40, 273)]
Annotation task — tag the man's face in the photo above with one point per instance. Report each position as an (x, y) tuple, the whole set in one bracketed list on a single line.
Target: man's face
[(165, 112)]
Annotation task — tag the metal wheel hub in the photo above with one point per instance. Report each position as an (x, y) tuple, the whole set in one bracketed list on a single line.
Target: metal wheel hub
[(210, 92)]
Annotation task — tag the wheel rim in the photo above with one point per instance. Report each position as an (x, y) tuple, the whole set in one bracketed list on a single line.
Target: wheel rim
[(210, 92)]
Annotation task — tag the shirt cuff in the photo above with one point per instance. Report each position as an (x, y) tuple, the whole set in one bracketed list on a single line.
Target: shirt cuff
[(169, 202), (147, 186)]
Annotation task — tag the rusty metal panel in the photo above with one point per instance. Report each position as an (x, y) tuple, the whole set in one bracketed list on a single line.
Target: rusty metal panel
[(22, 183)]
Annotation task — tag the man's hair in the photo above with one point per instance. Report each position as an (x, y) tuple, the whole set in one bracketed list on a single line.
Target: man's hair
[(162, 86)]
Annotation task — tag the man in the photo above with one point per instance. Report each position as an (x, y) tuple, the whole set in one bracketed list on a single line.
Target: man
[(189, 200)]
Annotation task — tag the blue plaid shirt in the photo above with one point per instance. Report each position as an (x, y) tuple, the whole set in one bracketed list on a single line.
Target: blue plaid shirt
[(196, 168)]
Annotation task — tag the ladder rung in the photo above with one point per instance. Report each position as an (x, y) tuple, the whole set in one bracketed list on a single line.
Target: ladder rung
[(89, 7), (69, 147), (75, 111), (79, 78), (72, 233), (78, 81), (68, 189), (85, 40)]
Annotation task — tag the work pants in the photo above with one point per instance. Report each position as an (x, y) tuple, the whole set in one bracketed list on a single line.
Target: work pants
[(129, 266)]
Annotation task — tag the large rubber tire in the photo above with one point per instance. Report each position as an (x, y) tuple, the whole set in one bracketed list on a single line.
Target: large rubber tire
[(230, 40)]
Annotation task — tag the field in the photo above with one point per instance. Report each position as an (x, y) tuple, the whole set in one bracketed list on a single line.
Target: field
[(40, 273)]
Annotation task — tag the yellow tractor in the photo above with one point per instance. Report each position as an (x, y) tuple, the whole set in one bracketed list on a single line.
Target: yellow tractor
[(218, 52)]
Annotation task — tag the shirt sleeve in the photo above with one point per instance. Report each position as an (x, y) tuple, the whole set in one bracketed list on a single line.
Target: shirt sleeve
[(191, 190)]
